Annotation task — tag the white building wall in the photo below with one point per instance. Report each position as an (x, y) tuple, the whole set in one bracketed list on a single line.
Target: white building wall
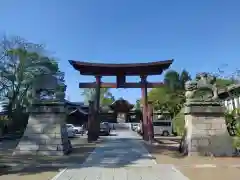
[(231, 103), (226, 103), (236, 102)]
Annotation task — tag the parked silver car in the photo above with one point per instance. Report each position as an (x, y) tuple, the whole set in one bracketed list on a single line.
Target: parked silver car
[(77, 129)]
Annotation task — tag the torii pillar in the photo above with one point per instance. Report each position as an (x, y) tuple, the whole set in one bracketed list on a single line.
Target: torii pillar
[(145, 107), (96, 108), (150, 122), (148, 133)]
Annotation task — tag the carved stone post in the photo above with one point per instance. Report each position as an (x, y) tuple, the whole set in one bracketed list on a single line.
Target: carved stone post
[(145, 107)]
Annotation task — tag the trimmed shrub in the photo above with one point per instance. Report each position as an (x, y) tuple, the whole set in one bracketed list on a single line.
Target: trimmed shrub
[(179, 123)]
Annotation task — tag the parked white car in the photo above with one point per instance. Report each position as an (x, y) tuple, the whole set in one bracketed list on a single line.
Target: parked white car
[(163, 127), (135, 126), (139, 128), (77, 129)]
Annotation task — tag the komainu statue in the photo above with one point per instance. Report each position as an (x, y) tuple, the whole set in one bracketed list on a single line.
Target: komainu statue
[(202, 89)]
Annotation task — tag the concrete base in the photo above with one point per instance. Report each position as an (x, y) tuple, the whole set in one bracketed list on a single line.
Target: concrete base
[(206, 131), (46, 132)]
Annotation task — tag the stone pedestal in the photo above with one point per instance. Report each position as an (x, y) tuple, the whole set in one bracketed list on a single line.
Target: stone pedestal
[(46, 132), (206, 131)]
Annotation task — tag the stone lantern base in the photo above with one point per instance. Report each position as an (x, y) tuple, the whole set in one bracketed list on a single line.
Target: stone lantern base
[(46, 132)]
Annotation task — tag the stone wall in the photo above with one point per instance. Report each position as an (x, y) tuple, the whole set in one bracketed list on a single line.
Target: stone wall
[(206, 131)]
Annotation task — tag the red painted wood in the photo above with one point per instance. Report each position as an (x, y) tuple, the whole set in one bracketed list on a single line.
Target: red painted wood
[(97, 104), (121, 80), (145, 107), (131, 69), (126, 85), (150, 123)]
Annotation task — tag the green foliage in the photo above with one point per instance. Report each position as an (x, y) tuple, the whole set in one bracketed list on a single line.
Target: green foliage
[(159, 94), (233, 122), (233, 126), (184, 77), (106, 97), (137, 106), (21, 62), (170, 97), (236, 142), (172, 80), (223, 83), (179, 123), (88, 95)]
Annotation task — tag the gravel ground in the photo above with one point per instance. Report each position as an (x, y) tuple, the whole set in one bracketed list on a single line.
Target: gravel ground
[(195, 168), (41, 168)]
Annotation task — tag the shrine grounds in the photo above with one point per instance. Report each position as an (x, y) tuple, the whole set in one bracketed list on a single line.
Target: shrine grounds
[(41, 168), (195, 168), (166, 152)]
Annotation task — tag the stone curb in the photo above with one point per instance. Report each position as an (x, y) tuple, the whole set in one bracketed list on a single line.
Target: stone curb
[(40, 165), (209, 166), (72, 165)]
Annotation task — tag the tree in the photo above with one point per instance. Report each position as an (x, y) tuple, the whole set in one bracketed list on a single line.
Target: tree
[(170, 97), (88, 95), (138, 105), (184, 77), (106, 97), (223, 83), (171, 80), (22, 62), (158, 96)]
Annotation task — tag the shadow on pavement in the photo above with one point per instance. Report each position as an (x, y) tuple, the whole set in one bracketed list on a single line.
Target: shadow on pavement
[(168, 146), (169, 149), (35, 164), (110, 156)]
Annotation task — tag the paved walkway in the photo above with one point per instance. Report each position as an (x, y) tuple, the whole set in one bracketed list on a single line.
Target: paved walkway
[(121, 157)]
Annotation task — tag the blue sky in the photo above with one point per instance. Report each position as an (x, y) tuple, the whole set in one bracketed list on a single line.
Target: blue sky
[(199, 35)]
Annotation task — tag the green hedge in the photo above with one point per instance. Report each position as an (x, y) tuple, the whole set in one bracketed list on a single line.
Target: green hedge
[(178, 123)]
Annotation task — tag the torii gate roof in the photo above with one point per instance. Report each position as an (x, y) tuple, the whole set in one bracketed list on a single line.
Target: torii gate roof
[(132, 69)]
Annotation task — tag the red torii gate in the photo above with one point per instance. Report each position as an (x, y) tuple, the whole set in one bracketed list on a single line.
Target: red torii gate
[(121, 71)]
